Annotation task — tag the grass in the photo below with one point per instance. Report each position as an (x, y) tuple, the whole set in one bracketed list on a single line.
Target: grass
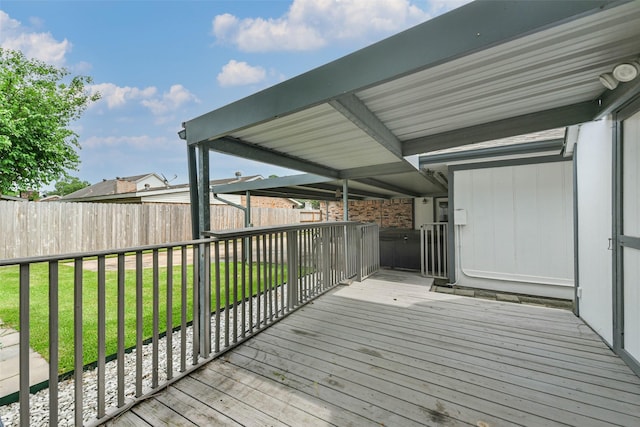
[(39, 305)]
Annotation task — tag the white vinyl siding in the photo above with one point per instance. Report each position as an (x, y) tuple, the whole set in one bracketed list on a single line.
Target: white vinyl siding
[(519, 231)]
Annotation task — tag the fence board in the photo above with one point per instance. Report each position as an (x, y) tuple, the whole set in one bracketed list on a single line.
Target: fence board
[(32, 229)]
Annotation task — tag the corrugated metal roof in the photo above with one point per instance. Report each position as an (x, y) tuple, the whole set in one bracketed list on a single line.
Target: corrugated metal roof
[(491, 70), (552, 68)]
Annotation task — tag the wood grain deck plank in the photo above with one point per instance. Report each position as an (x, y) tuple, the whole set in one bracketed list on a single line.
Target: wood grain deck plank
[(465, 388), (501, 349), (274, 404), (193, 408), (156, 414), (377, 406), (605, 360), (392, 353), (469, 367), (232, 406), (274, 386), (434, 317), (624, 391), (127, 419)]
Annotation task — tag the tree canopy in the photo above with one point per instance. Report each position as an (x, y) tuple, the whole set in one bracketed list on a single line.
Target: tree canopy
[(37, 104), (68, 185)]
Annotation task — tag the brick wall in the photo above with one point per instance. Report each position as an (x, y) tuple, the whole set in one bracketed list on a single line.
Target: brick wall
[(396, 213)]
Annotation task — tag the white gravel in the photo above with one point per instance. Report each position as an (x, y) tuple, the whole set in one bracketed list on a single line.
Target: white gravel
[(39, 402)]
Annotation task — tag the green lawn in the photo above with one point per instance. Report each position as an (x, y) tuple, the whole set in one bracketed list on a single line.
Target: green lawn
[(39, 303)]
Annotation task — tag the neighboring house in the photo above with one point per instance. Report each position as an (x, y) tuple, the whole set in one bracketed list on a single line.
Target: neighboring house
[(4, 197), (52, 198), (151, 188)]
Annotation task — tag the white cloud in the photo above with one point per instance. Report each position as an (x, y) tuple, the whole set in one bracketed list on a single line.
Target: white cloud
[(117, 96), (37, 45), (310, 24), (236, 73), (177, 96)]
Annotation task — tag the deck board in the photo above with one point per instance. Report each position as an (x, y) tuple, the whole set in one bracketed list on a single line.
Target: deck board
[(389, 352), (481, 342)]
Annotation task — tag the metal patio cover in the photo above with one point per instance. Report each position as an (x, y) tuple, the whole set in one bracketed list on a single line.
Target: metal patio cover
[(488, 70)]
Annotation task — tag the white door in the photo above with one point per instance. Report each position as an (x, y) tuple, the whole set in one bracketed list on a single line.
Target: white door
[(594, 190)]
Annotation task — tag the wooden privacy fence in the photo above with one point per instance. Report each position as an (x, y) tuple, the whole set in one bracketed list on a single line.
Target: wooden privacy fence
[(33, 229)]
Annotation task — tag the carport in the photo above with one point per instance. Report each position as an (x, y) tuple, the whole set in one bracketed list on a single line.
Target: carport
[(485, 71), (515, 68)]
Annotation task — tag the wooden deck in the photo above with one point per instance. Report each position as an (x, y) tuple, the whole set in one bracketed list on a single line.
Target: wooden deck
[(387, 352)]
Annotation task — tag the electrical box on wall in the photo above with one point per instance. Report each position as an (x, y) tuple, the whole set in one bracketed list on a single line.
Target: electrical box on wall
[(460, 217)]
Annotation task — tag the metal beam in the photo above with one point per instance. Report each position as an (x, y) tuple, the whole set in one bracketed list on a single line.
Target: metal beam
[(246, 150), (356, 111), (483, 153), (396, 189), (520, 125), (308, 194), (304, 186), (353, 192), (281, 181), (430, 176), (469, 29), (612, 100), (444, 178), (377, 170)]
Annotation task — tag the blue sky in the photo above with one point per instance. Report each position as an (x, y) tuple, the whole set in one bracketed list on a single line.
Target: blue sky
[(159, 63)]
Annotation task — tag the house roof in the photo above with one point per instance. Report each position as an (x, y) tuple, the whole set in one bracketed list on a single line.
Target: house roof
[(12, 198), (108, 189), (485, 71)]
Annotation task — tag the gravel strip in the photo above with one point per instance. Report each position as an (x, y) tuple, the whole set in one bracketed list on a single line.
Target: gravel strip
[(39, 402)]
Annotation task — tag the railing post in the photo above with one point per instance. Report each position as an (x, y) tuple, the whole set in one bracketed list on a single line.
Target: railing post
[(422, 242), (359, 248), (205, 299), (326, 257), (292, 272)]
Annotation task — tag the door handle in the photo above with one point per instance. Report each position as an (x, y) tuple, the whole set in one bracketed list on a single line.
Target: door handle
[(609, 247)]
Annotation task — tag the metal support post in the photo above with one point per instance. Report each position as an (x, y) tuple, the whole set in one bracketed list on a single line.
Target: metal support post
[(204, 223)]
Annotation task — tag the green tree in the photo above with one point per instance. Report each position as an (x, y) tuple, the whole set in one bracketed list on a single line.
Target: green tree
[(37, 103), (69, 185)]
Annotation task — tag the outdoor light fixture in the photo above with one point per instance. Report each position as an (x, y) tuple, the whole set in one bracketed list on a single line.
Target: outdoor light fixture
[(608, 81), (623, 72), (626, 71)]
